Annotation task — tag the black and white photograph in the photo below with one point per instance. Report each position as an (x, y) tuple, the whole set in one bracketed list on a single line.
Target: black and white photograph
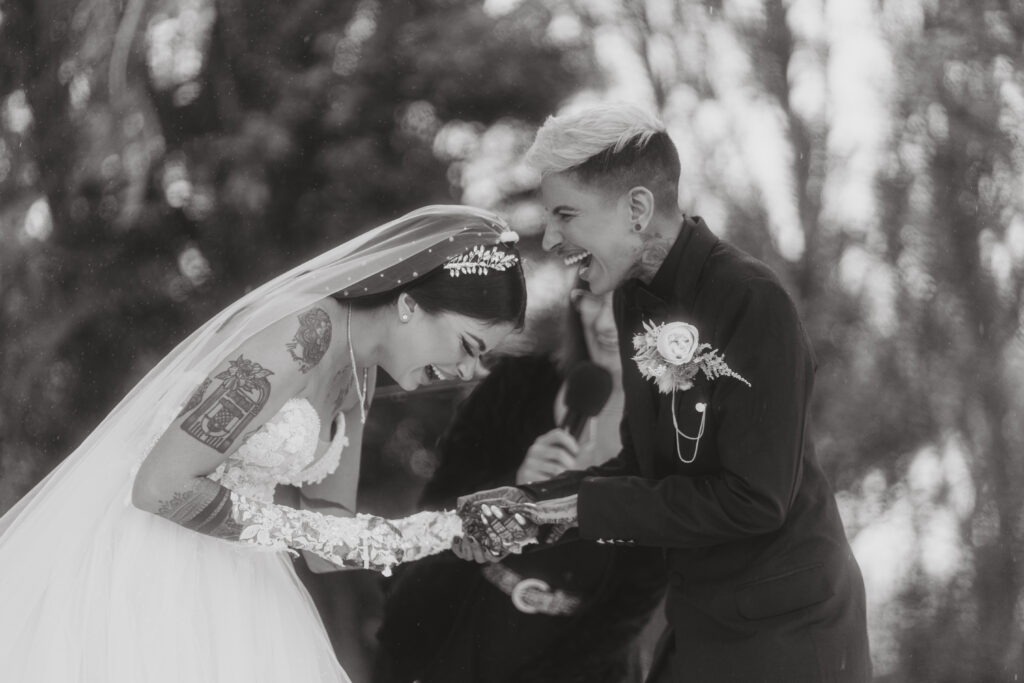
[(511, 341)]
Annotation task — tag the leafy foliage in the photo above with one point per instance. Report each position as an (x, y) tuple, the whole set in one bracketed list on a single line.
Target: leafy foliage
[(170, 155)]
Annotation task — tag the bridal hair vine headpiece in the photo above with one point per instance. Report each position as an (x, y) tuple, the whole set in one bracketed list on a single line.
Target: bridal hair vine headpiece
[(481, 260)]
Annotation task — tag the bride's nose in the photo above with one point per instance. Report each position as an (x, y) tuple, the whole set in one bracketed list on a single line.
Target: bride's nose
[(466, 369)]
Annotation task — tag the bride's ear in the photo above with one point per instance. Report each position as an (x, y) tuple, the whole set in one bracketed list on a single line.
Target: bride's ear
[(406, 306)]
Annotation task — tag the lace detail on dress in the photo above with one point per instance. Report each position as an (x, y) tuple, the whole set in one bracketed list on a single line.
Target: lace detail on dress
[(281, 452), (328, 462), (363, 541)]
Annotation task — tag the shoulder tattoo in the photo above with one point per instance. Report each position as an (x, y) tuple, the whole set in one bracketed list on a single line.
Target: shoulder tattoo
[(310, 343)]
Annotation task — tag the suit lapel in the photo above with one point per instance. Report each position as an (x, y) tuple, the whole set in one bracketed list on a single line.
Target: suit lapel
[(638, 306), (672, 293)]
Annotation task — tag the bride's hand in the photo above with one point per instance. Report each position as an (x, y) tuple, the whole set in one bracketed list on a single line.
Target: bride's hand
[(484, 519), (467, 548)]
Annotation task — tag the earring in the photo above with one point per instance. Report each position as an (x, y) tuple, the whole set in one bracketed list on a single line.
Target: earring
[(637, 227), (405, 318)]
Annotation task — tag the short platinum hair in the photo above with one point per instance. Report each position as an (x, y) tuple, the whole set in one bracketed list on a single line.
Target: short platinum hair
[(568, 140)]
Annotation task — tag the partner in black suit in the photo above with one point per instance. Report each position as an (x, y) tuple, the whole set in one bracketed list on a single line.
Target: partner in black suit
[(722, 475)]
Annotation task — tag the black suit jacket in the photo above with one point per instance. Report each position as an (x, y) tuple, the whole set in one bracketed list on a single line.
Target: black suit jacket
[(444, 622), (763, 586)]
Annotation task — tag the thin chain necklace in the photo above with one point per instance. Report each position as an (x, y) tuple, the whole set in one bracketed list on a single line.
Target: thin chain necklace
[(361, 392)]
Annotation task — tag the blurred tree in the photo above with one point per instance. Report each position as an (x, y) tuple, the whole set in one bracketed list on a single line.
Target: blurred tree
[(956, 240), (157, 158)]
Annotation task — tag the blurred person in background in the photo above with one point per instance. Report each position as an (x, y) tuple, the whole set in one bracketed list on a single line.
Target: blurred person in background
[(717, 469), (568, 613), (157, 551)]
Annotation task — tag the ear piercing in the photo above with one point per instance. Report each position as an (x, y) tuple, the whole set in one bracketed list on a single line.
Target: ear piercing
[(405, 318), (637, 227)]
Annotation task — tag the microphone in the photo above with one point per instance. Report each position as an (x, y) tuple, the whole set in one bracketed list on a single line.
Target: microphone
[(587, 390)]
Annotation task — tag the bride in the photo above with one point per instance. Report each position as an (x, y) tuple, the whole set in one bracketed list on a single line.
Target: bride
[(156, 552)]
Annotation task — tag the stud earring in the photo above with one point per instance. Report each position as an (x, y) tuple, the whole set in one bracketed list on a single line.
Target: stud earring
[(637, 227), (405, 318)]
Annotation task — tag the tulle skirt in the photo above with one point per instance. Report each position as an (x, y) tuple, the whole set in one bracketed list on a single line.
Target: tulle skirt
[(133, 598)]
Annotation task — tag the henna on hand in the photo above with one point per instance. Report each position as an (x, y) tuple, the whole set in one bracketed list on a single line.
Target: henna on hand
[(484, 519)]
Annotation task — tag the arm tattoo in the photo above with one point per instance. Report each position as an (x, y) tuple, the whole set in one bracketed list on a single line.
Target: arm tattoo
[(205, 507), (312, 340), (219, 420)]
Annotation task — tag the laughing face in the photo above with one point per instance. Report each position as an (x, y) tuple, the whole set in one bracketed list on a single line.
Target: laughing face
[(437, 347), (591, 230)]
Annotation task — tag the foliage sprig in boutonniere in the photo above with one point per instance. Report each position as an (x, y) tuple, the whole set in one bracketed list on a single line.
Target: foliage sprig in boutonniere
[(671, 355)]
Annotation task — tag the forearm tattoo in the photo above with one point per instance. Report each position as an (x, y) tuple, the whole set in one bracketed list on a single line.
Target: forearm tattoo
[(311, 342), (204, 506), (221, 417)]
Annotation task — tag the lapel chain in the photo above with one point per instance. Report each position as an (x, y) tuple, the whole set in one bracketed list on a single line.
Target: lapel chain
[(700, 408)]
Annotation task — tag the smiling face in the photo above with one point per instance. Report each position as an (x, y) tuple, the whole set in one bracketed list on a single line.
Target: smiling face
[(432, 347), (590, 230)]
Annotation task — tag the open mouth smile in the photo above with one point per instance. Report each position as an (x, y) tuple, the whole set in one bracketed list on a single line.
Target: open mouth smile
[(434, 373), (580, 256)]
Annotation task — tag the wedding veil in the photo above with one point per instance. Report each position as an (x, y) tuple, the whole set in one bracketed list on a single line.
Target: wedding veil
[(61, 513)]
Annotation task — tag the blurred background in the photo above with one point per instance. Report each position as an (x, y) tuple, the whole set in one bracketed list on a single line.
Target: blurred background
[(160, 157)]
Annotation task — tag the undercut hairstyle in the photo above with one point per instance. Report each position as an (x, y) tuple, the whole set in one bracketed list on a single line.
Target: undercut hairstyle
[(494, 297), (614, 147)]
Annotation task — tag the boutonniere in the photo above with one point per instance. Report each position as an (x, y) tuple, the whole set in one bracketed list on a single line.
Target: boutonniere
[(671, 355)]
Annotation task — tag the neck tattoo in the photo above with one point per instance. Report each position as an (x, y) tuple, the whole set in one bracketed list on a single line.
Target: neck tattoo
[(652, 254), (360, 392)]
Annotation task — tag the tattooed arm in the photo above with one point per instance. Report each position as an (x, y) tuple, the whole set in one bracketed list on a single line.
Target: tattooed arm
[(242, 394)]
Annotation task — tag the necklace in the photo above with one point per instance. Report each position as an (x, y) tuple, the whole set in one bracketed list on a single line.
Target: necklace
[(360, 391)]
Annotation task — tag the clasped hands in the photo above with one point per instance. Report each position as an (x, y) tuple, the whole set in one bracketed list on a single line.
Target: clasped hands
[(500, 521)]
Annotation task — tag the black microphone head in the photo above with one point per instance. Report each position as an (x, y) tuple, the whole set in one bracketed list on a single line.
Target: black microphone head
[(587, 389)]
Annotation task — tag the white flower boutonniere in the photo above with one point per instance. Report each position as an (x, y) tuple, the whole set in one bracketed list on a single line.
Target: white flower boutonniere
[(671, 355)]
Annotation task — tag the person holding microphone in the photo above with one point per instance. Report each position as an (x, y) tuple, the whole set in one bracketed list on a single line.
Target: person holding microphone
[(570, 612)]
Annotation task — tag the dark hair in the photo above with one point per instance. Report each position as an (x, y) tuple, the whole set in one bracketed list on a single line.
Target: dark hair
[(494, 297), (655, 165)]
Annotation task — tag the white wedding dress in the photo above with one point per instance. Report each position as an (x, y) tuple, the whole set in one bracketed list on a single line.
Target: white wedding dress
[(93, 590), (149, 601)]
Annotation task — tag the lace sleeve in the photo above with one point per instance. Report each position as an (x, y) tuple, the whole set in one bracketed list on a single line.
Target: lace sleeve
[(363, 541)]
